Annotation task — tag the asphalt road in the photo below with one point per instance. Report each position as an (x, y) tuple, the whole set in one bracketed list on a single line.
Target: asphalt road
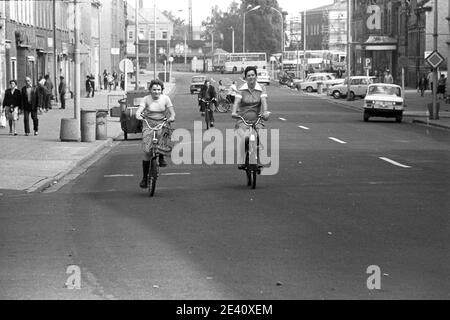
[(348, 195)]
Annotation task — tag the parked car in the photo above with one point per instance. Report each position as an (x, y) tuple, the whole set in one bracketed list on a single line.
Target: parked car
[(296, 82), (263, 77), (197, 82), (358, 87), (312, 82), (384, 100)]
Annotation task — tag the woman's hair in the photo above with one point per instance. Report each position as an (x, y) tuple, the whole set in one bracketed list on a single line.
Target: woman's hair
[(156, 82), (10, 82), (248, 69), (220, 82), (206, 81)]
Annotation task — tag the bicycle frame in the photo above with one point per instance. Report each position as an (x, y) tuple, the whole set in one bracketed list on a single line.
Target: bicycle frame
[(207, 112)]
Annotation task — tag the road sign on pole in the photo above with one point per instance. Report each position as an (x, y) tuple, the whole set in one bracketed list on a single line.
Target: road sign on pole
[(126, 64), (435, 59)]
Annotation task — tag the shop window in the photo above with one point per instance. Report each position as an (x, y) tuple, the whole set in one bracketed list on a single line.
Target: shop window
[(14, 68)]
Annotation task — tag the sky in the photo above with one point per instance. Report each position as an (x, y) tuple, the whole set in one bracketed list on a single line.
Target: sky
[(202, 8)]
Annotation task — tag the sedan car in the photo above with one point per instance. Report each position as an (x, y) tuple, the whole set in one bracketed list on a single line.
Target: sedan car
[(384, 100), (358, 87), (197, 82), (263, 77), (312, 82)]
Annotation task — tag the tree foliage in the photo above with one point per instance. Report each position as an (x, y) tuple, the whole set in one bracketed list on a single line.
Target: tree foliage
[(263, 26)]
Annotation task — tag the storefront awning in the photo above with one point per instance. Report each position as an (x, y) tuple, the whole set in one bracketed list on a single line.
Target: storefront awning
[(380, 43)]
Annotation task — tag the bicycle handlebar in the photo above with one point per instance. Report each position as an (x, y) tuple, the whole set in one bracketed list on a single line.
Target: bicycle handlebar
[(260, 117), (159, 126)]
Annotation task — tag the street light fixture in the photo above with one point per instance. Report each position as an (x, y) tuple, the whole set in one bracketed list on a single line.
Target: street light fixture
[(243, 29)]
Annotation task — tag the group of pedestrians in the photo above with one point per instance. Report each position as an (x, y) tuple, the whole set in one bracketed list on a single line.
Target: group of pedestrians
[(112, 80), (31, 100), (426, 83)]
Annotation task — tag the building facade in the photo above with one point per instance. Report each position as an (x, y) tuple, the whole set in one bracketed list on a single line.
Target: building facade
[(2, 50), (112, 34), (397, 35)]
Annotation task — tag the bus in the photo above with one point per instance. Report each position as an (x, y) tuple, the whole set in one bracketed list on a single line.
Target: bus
[(218, 61), (338, 60), (237, 62), (316, 60)]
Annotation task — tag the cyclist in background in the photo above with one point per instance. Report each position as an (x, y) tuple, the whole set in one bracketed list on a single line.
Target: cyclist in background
[(232, 91), (208, 93), (251, 97), (153, 108)]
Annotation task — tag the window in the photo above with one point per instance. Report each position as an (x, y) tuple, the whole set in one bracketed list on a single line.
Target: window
[(355, 82), (14, 68), (164, 35), (130, 35)]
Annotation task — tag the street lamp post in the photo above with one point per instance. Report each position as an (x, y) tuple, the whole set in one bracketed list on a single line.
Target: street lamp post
[(243, 27), (137, 43), (282, 34), (232, 39)]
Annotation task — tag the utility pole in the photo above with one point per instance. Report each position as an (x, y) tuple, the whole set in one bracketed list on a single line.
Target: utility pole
[(304, 45), (137, 43), (77, 55), (54, 51), (349, 41), (435, 72), (154, 28)]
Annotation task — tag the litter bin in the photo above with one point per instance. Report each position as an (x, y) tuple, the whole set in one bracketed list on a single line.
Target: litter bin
[(101, 125), (88, 123)]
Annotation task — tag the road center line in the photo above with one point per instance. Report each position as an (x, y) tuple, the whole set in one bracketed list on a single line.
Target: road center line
[(303, 127), (282, 119), (337, 140), (177, 174), (118, 175), (395, 163)]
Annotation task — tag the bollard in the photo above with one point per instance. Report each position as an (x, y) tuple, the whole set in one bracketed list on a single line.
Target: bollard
[(69, 130), (102, 125), (88, 122)]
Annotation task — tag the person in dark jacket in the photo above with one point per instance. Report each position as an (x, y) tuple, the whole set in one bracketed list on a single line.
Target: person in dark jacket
[(30, 105), (62, 89), (423, 84), (48, 92), (92, 78), (11, 103), (208, 93), (88, 86)]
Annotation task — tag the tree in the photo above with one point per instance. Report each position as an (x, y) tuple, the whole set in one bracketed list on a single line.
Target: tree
[(179, 26), (263, 26)]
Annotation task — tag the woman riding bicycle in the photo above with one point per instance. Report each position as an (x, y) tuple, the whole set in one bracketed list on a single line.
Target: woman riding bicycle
[(251, 99), (153, 108)]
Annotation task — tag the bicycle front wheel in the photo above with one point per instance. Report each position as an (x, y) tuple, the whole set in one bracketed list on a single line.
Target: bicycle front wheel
[(207, 119), (152, 177)]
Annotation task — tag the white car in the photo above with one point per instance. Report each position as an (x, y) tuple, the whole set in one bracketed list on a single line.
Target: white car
[(358, 87), (296, 82), (263, 77), (384, 100), (312, 82)]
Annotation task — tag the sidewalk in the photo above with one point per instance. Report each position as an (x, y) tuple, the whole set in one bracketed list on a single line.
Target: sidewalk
[(33, 163), (416, 110)]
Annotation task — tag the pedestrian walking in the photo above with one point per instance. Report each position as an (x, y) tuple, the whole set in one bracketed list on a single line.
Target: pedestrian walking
[(11, 103), (115, 76), (110, 81), (30, 106), (441, 86), (423, 84), (62, 89), (105, 79), (92, 78), (122, 81), (48, 92), (88, 86), (430, 80), (388, 77)]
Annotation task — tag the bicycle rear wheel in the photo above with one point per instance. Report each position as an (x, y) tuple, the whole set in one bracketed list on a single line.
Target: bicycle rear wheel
[(253, 173), (223, 106), (152, 177)]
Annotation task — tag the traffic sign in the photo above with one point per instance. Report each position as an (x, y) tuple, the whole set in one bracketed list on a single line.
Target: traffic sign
[(435, 59), (126, 63), (368, 63)]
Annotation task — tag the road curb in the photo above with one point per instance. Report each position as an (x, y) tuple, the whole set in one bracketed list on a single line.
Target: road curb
[(433, 124), (48, 182)]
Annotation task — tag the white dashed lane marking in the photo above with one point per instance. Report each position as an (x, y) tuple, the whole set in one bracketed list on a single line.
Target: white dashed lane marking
[(395, 163), (118, 175), (282, 119), (337, 140), (303, 127)]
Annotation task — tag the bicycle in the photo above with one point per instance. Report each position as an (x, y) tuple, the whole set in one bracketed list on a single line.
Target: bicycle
[(154, 152), (208, 112), (252, 165), (224, 103)]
